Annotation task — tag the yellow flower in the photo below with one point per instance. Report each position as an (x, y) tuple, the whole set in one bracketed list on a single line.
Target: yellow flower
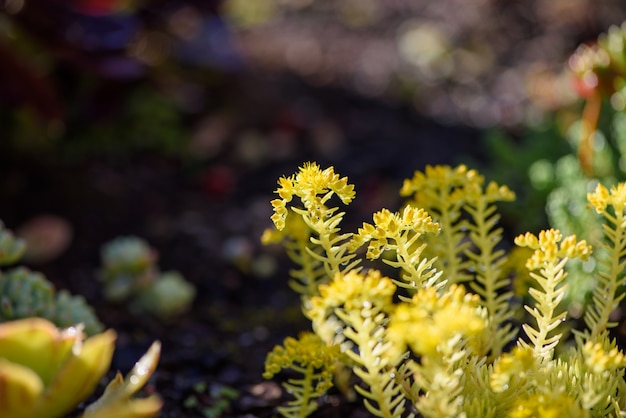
[(599, 360), (314, 187), (601, 197), (307, 350), (518, 363), (547, 405), (430, 320), (550, 247), (354, 290), (293, 227), (440, 186), (389, 226)]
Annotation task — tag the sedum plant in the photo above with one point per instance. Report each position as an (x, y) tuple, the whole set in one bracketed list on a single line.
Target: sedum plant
[(47, 372), (26, 294), (130, 273), (439, 338)]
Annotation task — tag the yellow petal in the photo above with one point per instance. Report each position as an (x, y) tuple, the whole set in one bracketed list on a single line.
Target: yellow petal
[(79, 376), (19, 388), (37, 344)]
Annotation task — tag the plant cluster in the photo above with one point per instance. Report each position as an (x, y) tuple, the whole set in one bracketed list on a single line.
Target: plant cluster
[(130, 274), (47, 365), (440, 337), (26, 294)]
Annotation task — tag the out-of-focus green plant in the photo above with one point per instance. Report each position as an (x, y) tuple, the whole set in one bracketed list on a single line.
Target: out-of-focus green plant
[(168, 296), (558, 167), (11, 248), (47, 372), (27, 294), (128, 267), (601, 75), (420, 341), (130, 273)]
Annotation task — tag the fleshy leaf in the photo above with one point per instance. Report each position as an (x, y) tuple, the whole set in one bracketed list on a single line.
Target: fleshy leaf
[(116, 400), (80, 374), (19, 388), (37, 344)]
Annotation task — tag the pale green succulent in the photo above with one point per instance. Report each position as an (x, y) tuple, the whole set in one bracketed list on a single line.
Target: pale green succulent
[(128, 265), (168, 296), (130, 274), (11, 248), (27, 294)]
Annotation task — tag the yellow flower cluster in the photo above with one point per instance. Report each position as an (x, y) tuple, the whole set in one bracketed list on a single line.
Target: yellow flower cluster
[(388, 225), (294, 227), (550, 247), (492, 193), (518, 363), (439, 185), (599, 360), (314, 187), (299, 354), (547, 405), (442, 186), (429, 320), (601, 197), (354, 290)]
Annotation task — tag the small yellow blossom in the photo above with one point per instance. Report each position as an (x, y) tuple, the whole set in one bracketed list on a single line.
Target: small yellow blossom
[(430, 320), (308, 349), (601, 198), (354, 290), (519, 363), (314, 187), (599, 360), (440, 186), (294, 228), (547, 405), (310, 356), (349, 292), (550, 247), (389, 226)]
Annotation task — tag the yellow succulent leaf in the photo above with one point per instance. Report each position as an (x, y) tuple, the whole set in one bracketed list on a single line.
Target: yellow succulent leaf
[(124, 408), (37, 344), (79, 376), (19, 388), (116, 400)]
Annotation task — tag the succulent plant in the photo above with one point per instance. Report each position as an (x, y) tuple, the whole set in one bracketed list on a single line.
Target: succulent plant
[(168, 296), (11, 248), (128, 265), (27, 294), (73, 309), (46, 372), (130, 273)]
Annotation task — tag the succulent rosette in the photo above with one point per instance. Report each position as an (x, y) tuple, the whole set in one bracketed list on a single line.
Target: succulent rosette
[(46, 372)]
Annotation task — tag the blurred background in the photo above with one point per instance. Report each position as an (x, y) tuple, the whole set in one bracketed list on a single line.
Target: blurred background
[(71, 69)]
